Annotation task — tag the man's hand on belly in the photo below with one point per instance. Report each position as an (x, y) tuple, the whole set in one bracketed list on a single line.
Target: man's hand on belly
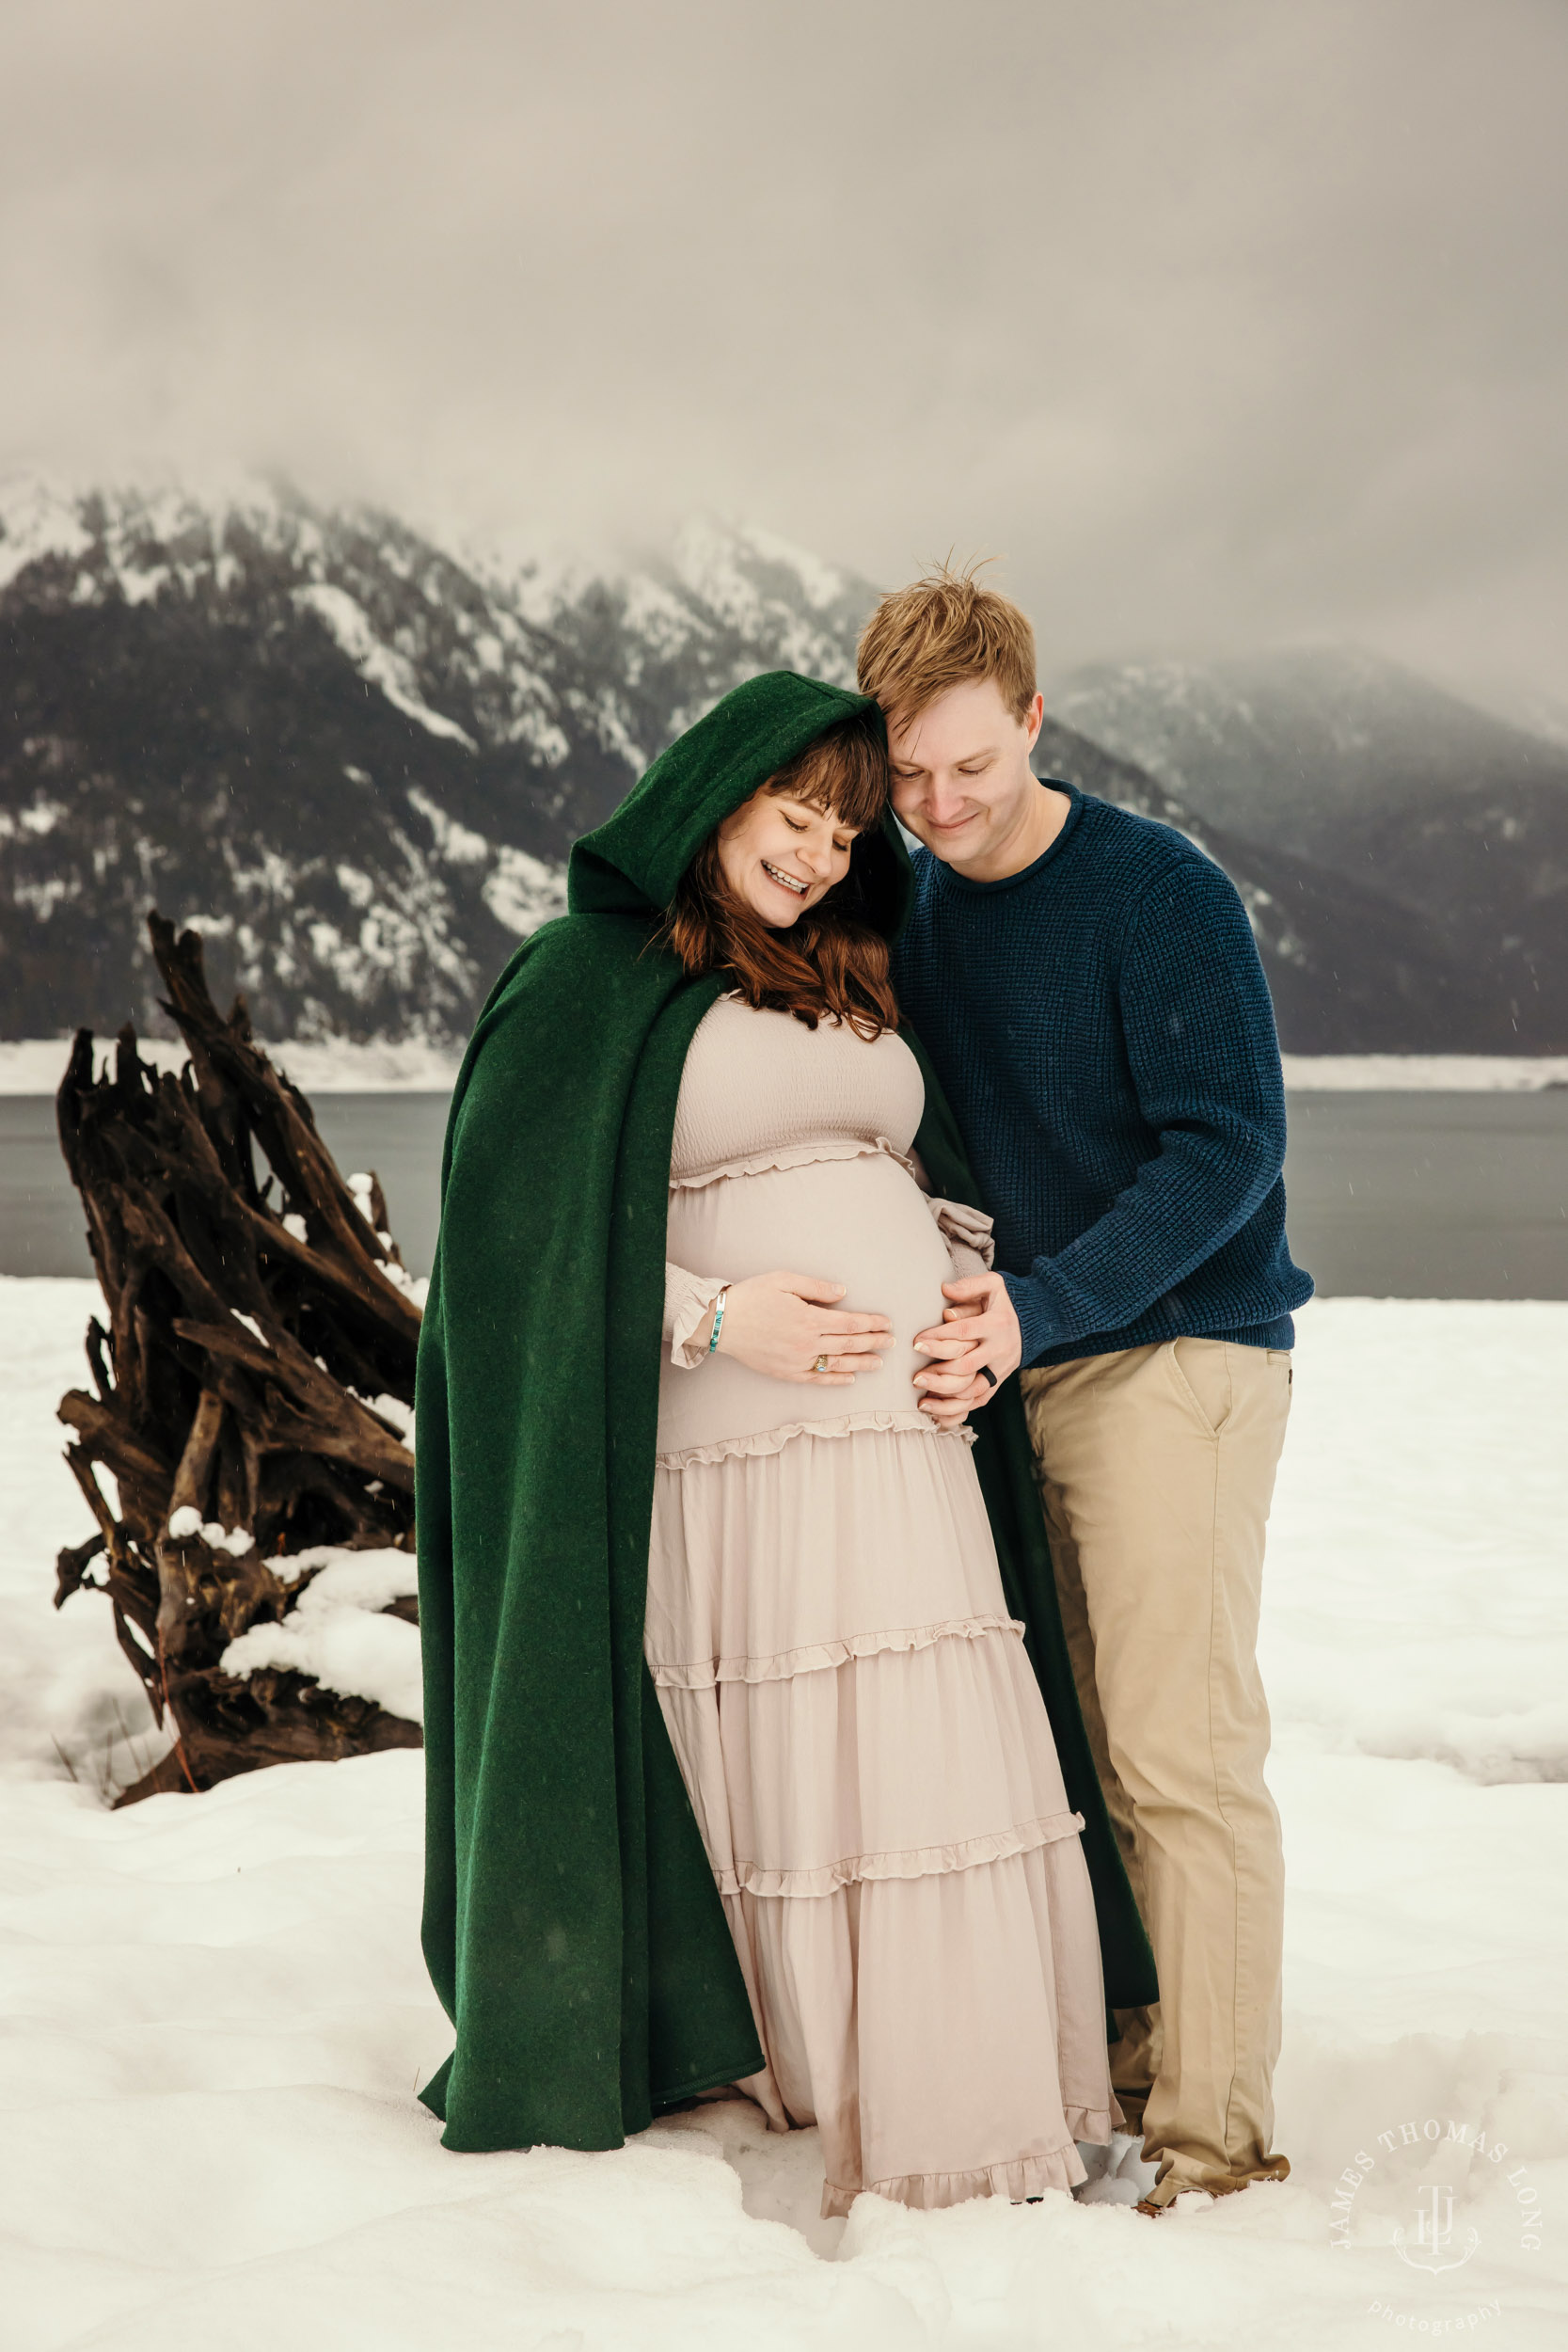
[(978, 1334)]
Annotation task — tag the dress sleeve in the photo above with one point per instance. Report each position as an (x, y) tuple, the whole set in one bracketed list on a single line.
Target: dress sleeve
[(687, 1302), (968, 1235)]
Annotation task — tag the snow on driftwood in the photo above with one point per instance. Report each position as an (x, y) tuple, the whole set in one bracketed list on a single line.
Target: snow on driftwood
[(344, 1631)]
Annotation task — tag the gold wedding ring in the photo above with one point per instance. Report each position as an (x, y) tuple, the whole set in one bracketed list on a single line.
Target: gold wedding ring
[(821, 1364)]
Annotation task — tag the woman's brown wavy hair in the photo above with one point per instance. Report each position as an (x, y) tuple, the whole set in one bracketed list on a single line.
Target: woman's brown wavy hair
[(833, 964)]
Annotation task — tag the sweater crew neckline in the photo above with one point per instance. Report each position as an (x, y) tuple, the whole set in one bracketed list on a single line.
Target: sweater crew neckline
[(1027, 873)]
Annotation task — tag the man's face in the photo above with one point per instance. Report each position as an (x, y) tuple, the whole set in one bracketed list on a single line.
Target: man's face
[(961, 779)]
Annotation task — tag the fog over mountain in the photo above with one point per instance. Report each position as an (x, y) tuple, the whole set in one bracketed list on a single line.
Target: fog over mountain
[(357, 758), (1315, 749), (1414, 810), (1223, 326)]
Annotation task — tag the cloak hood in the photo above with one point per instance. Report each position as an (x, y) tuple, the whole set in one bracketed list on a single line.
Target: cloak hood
[(632, 863)]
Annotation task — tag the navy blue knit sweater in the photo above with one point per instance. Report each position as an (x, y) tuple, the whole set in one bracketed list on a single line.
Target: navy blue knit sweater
[(1102, 1028)]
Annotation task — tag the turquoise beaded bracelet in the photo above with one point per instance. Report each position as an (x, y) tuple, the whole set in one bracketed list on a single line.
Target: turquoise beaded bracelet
[(718, 1305)]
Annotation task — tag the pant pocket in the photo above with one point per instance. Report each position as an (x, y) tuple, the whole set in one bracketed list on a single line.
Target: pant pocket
[(1201, 1371)]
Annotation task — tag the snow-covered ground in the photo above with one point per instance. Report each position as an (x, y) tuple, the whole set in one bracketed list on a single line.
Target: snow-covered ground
[(215, 2015), (339, 1066), (1422, 1074), (36, 1065)]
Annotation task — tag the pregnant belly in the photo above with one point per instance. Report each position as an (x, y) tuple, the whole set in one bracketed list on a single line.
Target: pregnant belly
[(861, 1222)]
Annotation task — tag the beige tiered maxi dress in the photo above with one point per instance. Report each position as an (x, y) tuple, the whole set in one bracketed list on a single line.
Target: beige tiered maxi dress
[(854, 1715)]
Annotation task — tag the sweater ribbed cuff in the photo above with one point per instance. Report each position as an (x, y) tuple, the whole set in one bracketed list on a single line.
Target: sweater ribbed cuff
[(1039, 1324)]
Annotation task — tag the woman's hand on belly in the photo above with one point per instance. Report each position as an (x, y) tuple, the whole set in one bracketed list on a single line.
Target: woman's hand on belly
[(782, 1325)]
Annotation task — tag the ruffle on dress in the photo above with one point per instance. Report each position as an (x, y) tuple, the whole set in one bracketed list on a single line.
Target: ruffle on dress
[(1029, 2176), (688, 1301), (703, 1674), (810, 1152), (763, 1441), (964, 1230), (915, 1861)]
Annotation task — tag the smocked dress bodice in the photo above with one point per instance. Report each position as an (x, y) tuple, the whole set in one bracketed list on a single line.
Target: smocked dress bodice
[(760, 1090)]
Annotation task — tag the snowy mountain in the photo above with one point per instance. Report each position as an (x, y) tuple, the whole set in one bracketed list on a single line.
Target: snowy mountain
[(1410, 805), (356, 756)]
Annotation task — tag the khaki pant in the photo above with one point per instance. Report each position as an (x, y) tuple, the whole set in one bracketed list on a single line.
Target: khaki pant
[(1156, 1467)]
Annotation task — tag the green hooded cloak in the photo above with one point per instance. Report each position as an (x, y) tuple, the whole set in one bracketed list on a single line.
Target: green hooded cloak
[(572, 1927)]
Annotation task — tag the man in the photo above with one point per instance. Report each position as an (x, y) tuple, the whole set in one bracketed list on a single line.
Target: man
[(1087, 984)]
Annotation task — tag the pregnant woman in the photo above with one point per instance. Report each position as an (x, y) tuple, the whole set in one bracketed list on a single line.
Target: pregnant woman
[(696, 1083)]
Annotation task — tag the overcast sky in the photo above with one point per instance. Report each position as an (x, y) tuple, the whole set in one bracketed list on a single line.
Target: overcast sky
[(1223, 323)]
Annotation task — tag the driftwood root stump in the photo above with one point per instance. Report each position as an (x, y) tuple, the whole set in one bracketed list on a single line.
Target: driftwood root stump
[(251, 1392)]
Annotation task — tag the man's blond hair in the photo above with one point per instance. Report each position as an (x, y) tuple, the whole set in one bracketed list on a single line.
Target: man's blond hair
[(945, 630)]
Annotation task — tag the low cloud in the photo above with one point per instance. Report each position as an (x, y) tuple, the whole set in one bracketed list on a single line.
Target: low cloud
[(1220, 324)]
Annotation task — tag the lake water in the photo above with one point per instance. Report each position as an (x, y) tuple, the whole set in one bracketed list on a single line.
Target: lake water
[(1395, 1196)]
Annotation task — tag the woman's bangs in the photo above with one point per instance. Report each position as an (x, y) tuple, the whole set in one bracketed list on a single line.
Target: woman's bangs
[(845, 775)]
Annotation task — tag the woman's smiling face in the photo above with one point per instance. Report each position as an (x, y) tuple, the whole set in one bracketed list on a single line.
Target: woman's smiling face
[(780, 856)]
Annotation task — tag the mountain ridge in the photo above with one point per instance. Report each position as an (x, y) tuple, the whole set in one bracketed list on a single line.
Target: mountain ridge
[(356, 755), (1452, 818)]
